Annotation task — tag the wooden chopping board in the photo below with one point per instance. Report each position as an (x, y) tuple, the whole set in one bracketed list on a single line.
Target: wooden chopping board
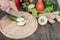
[(11, 30)]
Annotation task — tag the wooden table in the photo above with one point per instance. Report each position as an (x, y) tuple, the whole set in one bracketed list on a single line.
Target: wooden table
[(46, 32)]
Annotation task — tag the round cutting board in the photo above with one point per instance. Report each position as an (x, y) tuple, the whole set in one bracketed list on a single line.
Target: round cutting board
[(11, 30)]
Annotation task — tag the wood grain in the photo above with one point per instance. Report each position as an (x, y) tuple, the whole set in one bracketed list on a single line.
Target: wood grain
[(46, 32)]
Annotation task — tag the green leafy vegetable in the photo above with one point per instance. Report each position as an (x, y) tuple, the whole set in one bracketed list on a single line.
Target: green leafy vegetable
[(34, 12), (48, 9), (25, 5), (50, 6), (55, 6), (48, 2)]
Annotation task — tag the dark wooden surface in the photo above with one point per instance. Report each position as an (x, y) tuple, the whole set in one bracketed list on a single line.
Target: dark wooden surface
[(46, 32)]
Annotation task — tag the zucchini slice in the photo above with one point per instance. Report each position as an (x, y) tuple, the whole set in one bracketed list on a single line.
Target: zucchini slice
[(31, 6), (21, 23), (20, 19)]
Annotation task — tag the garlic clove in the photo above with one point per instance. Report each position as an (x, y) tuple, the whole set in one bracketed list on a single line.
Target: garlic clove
[(42, 20)]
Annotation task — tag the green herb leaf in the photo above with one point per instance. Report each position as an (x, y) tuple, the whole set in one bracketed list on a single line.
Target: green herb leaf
[(34, 12)]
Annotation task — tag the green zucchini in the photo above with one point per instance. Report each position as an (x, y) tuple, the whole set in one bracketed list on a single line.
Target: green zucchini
[(12, 17), (20, 21)]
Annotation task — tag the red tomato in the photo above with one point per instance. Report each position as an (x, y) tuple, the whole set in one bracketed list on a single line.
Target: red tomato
[(17, 3), (40, 6)]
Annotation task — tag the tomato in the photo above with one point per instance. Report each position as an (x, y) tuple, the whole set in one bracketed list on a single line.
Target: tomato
[(40, 6), (17, 3)]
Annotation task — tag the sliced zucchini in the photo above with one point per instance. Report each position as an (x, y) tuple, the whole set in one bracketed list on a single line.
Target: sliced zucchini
[(31, 6), (20, 19), (21, 23)]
